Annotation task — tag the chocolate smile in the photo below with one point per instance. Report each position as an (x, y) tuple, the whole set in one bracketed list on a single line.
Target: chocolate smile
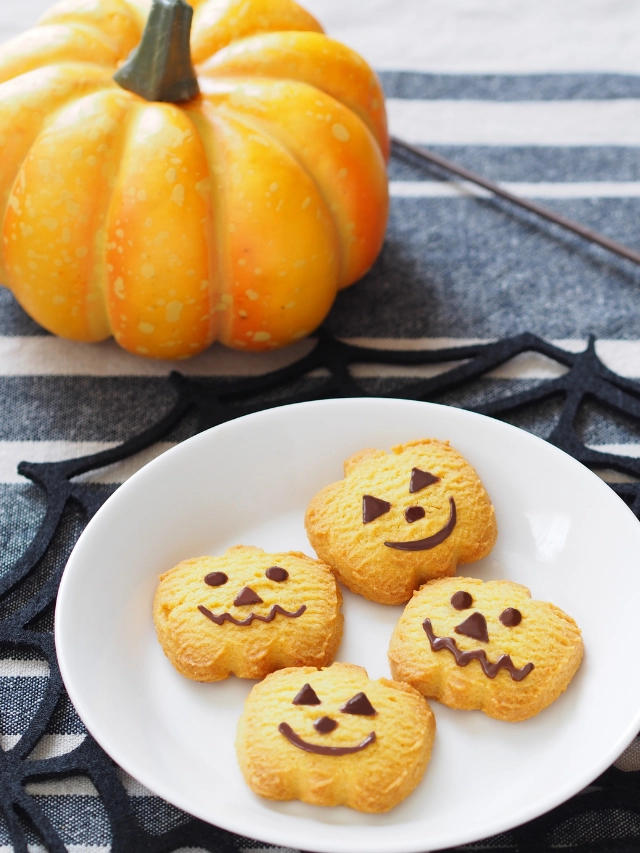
[(227, 617), (463, 658), (286, 730), (430, 541)]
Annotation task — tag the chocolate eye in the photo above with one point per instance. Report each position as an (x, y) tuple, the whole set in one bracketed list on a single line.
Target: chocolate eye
[(421, 479), (276, 573), (360, 705), (215, 579), (373, 508), (511, 617), (462, 600), (306, 696)]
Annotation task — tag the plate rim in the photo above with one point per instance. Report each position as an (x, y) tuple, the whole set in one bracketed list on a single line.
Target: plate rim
[(281, 835)]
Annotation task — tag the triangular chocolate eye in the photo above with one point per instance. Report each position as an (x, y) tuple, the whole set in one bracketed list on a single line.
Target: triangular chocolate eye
[(306, 696), (360, 705), (373, 508), (421, 479)]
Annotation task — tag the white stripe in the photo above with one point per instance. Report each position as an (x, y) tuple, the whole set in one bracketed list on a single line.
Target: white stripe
[(613, 122), (50, 356), (80, 786), (49, 746), (13, 452), (37, 356), (13, 668), (462, 189), (494, 36), (71, 848)]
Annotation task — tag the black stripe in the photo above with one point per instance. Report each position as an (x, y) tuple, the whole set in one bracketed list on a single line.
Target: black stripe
[(528, 163), (509, 87)]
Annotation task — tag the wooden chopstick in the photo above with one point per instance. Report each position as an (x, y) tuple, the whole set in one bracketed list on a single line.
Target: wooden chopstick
[(563, 221)]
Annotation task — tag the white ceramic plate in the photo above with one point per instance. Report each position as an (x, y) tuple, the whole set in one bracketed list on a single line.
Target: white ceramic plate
[(562, 532)]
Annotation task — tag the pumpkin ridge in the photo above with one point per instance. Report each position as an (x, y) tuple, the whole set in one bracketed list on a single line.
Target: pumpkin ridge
[(286, 140), (264, 128), (48, 119), (341, 73), (100, 282), (220, 322)]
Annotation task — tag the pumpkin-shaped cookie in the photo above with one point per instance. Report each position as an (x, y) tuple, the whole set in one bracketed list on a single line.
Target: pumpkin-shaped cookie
[(399, 519), (247, 613), (334, 737), (170, 204), (485, 646)]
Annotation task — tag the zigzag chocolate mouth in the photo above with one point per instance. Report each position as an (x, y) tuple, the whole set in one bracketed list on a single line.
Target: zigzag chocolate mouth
[(227, 617), (430, 541), (463, 658), (286, 730)]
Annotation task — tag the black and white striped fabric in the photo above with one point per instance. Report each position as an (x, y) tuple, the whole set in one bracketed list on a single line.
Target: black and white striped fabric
[(543, 97)]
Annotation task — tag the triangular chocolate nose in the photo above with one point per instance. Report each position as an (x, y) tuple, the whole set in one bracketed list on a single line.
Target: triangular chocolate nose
[(247, 596), (373, 508), (421, 479), (306, 696), (475, 627)]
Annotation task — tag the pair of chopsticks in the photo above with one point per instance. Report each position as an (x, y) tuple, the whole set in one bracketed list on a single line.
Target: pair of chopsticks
[(563, 221)]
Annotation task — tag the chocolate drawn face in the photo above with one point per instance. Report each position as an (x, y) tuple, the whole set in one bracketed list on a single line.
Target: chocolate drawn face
[(475, 626), (373, 508), (248, 596), (359, 705)]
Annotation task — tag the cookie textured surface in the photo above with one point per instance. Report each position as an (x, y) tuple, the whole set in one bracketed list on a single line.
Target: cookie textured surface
[(247, 613), (334, 737), (485, 646), (402, 518)]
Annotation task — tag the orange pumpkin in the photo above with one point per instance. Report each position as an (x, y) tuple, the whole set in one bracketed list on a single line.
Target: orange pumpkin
[(235, 215)]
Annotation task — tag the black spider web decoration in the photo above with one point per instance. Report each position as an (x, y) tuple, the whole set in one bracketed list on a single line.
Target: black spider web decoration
[(214, 402)]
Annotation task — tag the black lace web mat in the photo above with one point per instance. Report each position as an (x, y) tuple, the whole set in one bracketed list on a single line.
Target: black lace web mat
[(64, 801)]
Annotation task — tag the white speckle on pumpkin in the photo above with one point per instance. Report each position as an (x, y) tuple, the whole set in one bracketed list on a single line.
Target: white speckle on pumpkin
[(306, 202), (262, 336), (82, 252), (73, 208), (142, 350), (257, 271), (76, 154), (242, 313), (291, 304), (273, 187), (45, 167), (178, 194), (340, 132), (302, 333), (162, 235), (171, 175), (146, 328), (204, 285), (48, 222), (343, 173), (148, 270), (252, 295), (58, 299), (120, 233), (32, 265), (300, 263), (242, 262), (203, 187), (91, 160), (173, 311), (148, 222), (279, 206), (282, 273), (220, 307), (118, 288), (142, 195), (227, 298)]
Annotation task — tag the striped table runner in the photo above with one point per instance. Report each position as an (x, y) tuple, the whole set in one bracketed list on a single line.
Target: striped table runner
[(543, 97)]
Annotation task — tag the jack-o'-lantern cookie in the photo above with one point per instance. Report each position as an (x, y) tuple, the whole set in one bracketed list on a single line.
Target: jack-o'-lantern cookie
[(247, 613), (399, 519), (485, 646), (334, 737)]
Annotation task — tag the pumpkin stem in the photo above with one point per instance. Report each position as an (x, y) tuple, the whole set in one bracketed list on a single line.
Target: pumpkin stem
[(159, 68)]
